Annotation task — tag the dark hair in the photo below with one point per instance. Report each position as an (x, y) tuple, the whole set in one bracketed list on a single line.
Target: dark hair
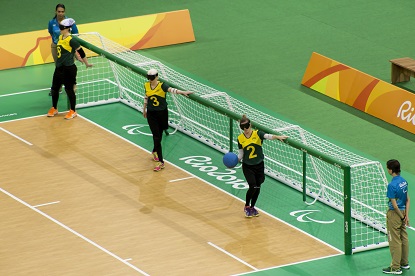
[(394, 166), (59, 6)]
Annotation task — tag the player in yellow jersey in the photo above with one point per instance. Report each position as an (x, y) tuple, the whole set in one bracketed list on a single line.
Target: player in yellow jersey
[(156, 112), (252, 157), (66, 70)]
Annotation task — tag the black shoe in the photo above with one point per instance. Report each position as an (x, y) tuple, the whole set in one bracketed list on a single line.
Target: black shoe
[(389, 270)]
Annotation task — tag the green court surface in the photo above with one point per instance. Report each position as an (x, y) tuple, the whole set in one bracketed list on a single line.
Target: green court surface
[(256, 52)]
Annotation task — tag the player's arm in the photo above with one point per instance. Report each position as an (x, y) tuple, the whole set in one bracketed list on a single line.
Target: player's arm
[(81, 53), (240, 154), (273, 137), (145, 107), (177, 91)]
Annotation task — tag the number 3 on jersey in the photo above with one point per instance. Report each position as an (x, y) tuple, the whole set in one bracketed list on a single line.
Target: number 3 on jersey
[(154, 100)]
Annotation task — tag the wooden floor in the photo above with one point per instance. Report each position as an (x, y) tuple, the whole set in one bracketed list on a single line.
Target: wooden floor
[(78, 200)]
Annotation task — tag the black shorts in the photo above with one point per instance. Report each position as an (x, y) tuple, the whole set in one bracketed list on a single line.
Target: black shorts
[(254, 174), (65, 75), (158, 121)]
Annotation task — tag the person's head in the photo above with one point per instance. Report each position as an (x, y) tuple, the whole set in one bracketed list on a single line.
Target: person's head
[(66, 24), (60, 12), (244, 123), (393, 166), (152, 74)]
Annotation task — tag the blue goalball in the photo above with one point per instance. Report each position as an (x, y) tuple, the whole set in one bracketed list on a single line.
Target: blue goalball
[(230, 160)]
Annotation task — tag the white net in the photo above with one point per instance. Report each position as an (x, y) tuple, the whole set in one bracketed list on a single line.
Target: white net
[(109, 81)]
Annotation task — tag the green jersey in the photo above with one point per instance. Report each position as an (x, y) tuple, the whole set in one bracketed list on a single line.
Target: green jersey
[(252, 147), (66, 50)]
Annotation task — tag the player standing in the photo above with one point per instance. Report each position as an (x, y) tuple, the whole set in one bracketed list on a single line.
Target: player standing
[(66, 70), (156, 112), (252, 156)]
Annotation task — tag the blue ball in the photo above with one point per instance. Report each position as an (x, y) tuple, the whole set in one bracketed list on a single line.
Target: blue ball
[(230, 160)]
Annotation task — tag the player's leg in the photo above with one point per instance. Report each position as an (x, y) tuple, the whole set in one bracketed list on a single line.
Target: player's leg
[(249, 174), (259, 179), (54, 53), (70, 84), (153, 122), (56, 83)]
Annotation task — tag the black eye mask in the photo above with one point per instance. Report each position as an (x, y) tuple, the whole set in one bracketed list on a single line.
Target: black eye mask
[(245, 125), (61, 27), (151, 77)]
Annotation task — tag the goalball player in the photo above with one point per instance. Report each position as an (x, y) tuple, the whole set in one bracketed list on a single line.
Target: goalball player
[(252, 156), (156, 112), (66, 70)]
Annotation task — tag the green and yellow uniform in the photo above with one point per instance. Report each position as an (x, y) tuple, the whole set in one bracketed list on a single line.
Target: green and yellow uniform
[(252, 147), (66, 50), (157, 96), (65, 70), (157, 114)]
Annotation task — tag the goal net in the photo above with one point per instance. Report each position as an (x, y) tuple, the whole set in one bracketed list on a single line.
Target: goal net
[(211, 117)]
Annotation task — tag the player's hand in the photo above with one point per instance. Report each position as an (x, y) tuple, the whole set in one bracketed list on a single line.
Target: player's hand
[(187, 93), (281, 137), (88, 65)]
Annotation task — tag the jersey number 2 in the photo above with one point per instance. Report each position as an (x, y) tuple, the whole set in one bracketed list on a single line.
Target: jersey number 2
[(252, 154)]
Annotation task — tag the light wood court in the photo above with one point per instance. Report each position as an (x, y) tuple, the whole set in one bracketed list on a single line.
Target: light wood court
[(78, 200)]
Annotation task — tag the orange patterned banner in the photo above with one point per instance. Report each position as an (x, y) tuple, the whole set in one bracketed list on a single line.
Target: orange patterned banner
[(140, 32), (366, 93)]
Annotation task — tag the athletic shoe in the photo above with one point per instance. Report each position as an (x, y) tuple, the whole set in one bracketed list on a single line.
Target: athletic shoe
[(71, 114), (407, 266), (254, 212), (52, 112), (248, 213), (155, 156), (159, 166), (389, 270)]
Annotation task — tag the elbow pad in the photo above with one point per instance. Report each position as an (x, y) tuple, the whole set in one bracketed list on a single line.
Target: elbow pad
[(81, 52)]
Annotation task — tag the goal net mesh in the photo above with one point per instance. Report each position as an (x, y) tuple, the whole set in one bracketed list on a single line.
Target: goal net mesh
[(109, 81)]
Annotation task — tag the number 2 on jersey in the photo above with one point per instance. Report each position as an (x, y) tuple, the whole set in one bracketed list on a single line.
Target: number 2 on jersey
[(252, 154)]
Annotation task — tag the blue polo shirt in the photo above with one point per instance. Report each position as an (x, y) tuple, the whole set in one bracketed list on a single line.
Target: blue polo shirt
[(398, 189), (55, 32)]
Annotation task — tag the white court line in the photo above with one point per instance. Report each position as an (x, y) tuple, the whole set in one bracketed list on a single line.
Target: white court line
[(15, 136), (44, 204), (25, 92), (290, 264), (74, 232), (232, 256), (212, 185), (180, 179)]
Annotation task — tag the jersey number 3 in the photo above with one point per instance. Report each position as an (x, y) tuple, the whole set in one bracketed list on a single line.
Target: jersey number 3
[(154, 100)]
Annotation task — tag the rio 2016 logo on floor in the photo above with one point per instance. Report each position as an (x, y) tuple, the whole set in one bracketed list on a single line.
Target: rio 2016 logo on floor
[(204, 164)]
